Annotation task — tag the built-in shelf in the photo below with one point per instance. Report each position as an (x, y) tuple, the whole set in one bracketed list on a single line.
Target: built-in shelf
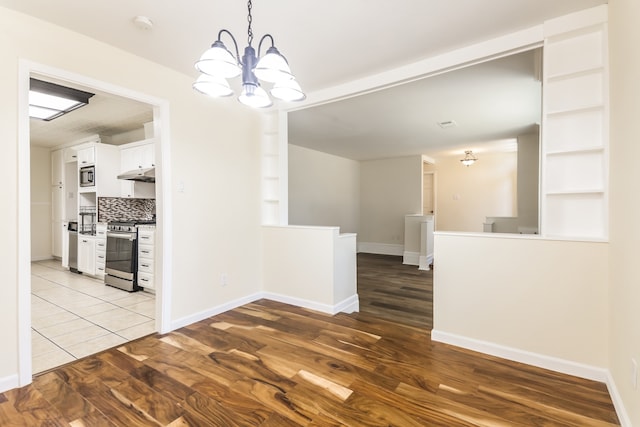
[(585, 150), (574, 192)]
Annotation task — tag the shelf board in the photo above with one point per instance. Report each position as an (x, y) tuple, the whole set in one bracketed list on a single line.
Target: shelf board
[(576, 151), (573, 192), (573, 74), (585, 108)]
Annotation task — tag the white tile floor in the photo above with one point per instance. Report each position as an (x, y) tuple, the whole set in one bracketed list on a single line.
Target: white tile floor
[(73, 316)]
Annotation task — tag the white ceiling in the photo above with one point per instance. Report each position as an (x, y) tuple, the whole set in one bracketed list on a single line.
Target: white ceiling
[(327, 42)]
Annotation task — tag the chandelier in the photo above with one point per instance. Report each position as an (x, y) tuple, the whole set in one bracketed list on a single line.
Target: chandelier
[(218, 64), (469, 158)]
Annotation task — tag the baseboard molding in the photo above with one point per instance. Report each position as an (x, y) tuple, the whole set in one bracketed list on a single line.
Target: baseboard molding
[(380, 248), (8, 383), (196, 317), (618, 404), (424, 262), (411, 258), (535, 359), (348, 305)]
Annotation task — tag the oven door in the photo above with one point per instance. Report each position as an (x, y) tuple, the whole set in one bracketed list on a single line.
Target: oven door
[(121, 254)]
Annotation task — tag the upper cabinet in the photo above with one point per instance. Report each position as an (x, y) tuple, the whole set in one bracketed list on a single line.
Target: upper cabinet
[(138, 157), (86, 156)]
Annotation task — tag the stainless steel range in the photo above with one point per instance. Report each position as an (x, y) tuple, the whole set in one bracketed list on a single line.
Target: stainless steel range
[(122, 255)]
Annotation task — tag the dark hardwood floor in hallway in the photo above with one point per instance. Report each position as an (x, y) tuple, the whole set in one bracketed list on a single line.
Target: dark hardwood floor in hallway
[(274, 365), (394, 291)]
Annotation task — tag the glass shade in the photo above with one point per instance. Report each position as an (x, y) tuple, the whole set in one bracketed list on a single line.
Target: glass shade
[(288, 90), (254, 96), (212, 86), (272, 67), (218, 61)]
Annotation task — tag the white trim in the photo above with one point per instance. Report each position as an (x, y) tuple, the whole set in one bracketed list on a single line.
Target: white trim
[(618, 403), (348, 305), (214, 311), (424, 262), (8, 383), (535, 359), (165, 219), (380, 248), (411, 258), (24, 228)]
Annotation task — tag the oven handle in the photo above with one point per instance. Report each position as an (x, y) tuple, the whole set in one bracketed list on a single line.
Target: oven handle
[(128, 236)]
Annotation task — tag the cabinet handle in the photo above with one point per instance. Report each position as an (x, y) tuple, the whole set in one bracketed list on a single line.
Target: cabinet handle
[(145, 252), (144, 265)]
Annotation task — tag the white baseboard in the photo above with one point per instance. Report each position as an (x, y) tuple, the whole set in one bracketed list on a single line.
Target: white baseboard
[(348, 305), (623, 415), (411, 258), (196, 317), (535, 359), (380, 248), (8, 383), (425, 262)]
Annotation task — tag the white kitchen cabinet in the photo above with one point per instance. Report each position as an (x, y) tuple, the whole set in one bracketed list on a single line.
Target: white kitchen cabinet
[(65, 244), (137, 155), (101, 249), (87, 254), (86, 156), (57, 167), (146, 257)]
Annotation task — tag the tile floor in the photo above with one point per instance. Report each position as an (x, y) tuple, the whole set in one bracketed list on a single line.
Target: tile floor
[(73, 316)]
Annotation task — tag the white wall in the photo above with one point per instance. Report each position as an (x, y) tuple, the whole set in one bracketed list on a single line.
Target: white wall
[(539, 296), (40, 203), (528, 179), (323, 189), (216, 220), (389, 189), (625, 198), (313, 267), (466, 195)]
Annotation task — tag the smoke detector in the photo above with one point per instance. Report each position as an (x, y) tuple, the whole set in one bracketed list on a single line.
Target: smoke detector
[(447, 124), (143, 23)]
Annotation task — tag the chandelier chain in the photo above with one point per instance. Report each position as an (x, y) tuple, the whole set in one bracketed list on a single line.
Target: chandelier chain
[(249, 19)]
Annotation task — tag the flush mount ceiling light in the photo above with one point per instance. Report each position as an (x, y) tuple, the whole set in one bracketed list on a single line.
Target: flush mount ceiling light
[(218, 64), (469, 158), (48, 101)]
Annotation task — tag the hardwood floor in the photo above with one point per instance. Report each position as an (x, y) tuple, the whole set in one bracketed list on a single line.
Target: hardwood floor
[(394, 291), (270, 364)]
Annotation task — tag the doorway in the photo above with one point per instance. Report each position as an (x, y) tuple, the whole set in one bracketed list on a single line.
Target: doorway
[(160, 118)]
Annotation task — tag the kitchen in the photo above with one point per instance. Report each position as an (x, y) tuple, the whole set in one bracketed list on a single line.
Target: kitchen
[(93, 280)]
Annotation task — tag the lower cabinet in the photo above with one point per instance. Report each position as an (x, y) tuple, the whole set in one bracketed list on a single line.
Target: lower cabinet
[(101, 249), (146, 257), (87, 254)]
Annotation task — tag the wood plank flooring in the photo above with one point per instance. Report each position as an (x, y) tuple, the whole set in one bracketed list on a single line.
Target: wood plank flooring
[(273, 365), (394, 291)]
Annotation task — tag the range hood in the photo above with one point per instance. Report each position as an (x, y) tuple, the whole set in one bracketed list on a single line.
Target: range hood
[(142, 175)]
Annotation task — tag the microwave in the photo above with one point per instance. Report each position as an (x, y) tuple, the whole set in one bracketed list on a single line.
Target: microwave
[(87, 176)]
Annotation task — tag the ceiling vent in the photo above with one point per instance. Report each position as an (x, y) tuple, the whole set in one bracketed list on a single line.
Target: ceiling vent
[(447, 124)]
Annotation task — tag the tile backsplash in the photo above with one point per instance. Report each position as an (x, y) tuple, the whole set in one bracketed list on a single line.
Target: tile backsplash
[(125, 209)]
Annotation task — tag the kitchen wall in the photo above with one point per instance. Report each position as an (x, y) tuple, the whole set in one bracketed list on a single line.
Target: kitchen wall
[(465, 196), (40, 203), (624, 321), (323, 189), (214, 218)]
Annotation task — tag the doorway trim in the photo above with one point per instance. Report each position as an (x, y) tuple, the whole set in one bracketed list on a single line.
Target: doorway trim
[(163, 203)]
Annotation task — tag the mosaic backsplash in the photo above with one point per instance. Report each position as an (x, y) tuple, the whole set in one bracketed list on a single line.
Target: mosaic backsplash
[(125, 209)]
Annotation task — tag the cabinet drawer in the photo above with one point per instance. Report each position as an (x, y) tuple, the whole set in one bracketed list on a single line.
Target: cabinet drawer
[(146, 280), (146, 237), (100, 271), (146, 251), (101, 245), (101, 258), (145, 265)]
